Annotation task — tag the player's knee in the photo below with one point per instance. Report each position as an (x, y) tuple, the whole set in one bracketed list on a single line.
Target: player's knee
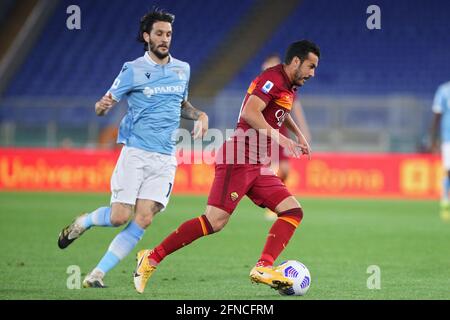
[(120, 214), (144, 220), (218, 225), (288, 203), (119, 219), (145, 213), (217, 222)]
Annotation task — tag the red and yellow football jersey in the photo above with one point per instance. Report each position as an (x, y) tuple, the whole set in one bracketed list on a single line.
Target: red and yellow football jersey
[(276, 90)]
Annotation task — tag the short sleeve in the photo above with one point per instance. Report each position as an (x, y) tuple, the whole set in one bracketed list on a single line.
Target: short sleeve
[(266, 88), (123, 83)]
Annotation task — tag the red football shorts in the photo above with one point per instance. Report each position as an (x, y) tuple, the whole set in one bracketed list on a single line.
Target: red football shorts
[(233, 181)]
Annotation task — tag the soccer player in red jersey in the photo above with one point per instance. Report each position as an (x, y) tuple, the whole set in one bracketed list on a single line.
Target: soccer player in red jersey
[(282, 164), (241, 169)]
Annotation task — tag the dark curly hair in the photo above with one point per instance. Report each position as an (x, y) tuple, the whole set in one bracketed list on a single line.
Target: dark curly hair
[(149, 19), (301, 49)]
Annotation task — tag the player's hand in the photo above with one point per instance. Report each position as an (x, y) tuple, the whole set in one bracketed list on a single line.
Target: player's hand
[(304, 145), (104, 104), (294, 148), (200, 126)]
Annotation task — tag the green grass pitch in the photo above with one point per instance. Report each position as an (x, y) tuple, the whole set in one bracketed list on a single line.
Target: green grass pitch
[(338, 240)]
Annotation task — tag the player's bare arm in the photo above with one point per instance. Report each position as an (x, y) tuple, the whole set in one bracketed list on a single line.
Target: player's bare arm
[(299, 116), (188, 111), (301, 139), (252, 114), (104, 104)]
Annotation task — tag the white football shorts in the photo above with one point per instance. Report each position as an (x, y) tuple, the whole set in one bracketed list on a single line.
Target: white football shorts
[(445, 149), (141, 174)]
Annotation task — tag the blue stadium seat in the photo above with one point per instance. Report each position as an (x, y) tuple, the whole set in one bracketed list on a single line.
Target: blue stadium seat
[(410, 54), (85, 62)]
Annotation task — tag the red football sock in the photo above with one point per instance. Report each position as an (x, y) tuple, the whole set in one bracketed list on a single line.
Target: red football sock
[(186, 233), (279, 235)]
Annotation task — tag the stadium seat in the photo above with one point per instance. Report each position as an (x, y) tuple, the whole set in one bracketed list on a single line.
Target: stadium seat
[(356, 60)]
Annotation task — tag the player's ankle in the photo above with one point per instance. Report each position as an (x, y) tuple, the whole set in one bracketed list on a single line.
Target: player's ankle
[(264, 263), (153, 262), (265, 260), (98, 273), (155, 258)]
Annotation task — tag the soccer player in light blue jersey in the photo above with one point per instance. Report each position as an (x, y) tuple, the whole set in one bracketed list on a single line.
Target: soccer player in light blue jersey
[(441, 110), (156, 87)]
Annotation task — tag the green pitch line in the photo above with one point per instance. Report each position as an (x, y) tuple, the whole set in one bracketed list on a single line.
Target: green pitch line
[(338, 240)]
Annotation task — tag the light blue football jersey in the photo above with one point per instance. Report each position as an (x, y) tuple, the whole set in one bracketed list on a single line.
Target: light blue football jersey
[(441, 104), (154, 93)]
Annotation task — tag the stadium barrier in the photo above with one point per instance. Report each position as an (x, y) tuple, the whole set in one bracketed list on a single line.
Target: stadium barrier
[(349, 123), (413, 176)]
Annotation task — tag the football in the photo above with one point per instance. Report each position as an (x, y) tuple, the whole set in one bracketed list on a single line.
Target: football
[(299, 274)]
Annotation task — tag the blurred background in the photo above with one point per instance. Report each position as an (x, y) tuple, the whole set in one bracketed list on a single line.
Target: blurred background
[(372, 92)]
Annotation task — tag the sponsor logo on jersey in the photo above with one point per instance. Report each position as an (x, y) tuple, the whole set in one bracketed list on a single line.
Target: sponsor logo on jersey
[(162, 90), (267, 86)]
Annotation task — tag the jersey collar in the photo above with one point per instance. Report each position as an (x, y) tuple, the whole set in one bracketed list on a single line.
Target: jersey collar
[(152, 62)]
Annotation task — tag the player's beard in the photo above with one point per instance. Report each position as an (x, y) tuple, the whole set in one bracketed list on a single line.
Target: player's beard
[(153, 48), (299, 77)]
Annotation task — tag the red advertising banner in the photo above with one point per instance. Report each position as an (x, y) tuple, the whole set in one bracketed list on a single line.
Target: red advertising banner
[(56, 169), (326, 174)]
